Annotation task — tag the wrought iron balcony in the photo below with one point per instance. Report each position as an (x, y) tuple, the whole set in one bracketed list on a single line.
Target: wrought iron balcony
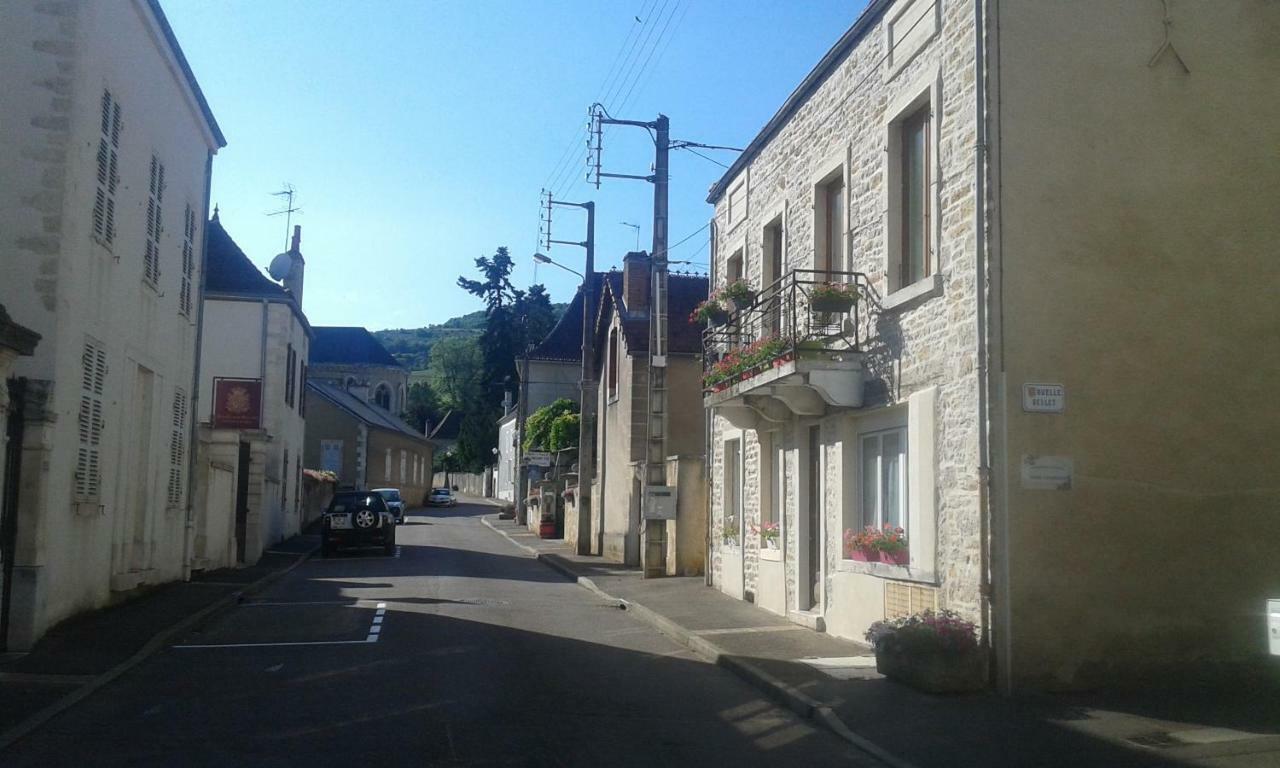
[(793, 349)]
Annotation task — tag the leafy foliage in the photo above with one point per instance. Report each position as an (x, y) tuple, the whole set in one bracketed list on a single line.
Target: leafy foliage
[(423, 405), (927, 631), (564, 432), (539, 425)]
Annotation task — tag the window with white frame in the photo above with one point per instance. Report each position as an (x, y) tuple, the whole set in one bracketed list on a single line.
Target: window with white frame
[(829, 224), (732, 508), (911, 220), (882, 478)]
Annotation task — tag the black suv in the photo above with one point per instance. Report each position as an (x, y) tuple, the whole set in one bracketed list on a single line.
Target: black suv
[(358, 519)]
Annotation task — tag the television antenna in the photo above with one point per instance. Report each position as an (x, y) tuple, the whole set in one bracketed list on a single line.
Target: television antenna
[(288, 192)]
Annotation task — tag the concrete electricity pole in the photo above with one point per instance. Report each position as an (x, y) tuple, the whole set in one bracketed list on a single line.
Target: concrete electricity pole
[(587, 408), (655, 471)]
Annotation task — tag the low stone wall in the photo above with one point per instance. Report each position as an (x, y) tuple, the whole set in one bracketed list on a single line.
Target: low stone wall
[(471, 484)]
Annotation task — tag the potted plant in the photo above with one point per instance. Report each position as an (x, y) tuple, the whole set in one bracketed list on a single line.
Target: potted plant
[(833, 297), (739, 294), (932, 651), (710, 311), (892, 545), (858, 545), (768, 533)]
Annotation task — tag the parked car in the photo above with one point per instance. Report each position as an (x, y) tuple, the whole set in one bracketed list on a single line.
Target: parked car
[(441, 497), (394, 502), (357, 519)]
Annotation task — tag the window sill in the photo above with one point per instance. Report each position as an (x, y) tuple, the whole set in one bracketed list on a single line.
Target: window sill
[(774, 555), (885, 571), (918, 292)]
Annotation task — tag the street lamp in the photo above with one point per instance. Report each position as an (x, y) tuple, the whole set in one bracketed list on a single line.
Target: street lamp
[(545, 259)]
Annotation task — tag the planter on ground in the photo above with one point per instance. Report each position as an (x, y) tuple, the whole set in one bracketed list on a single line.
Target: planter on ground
[(932, 670)]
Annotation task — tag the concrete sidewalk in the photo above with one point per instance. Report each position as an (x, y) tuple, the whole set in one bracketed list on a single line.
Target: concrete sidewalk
[(85, 652), (1220, 720)]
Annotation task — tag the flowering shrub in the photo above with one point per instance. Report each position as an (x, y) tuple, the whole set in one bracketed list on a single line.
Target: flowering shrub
[(927, 631), (834, 291), (884, 539), (736, 361), (708, 308)]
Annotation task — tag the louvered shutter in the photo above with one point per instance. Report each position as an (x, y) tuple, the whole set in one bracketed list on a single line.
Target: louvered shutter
[(88, 475), (108, 178), (178, 448)]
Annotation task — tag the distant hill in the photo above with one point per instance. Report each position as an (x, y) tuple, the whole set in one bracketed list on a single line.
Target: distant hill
[(412, 346)]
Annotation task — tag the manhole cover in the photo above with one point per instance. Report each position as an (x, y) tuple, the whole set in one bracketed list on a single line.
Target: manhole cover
[(1157, 740)]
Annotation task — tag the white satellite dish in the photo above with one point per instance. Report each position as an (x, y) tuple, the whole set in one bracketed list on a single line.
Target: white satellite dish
[(280, 266)]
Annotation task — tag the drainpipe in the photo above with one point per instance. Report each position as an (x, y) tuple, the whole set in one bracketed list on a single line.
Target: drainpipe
[(985, 501), (189, 531), (708, 439)]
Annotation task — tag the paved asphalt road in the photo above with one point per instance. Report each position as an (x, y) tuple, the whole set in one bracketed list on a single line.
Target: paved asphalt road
[(481, 657)]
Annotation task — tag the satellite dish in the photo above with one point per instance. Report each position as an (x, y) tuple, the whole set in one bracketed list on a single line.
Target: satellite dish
[(280, 266)]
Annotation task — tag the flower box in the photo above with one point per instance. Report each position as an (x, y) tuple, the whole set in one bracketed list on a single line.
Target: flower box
[(865, 555), (932, 669), (717, 317), (831, 304), (899, 557), (741, 302)]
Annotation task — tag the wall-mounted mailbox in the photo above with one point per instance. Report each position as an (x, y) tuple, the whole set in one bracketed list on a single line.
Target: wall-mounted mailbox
[(660, 502)]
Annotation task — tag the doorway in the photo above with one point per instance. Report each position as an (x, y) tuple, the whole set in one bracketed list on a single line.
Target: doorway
[(9, 503), (242, 501), (813, 532)]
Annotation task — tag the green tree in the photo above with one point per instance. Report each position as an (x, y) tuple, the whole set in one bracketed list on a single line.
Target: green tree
[(539, 425), (423, 405), (456, 370)]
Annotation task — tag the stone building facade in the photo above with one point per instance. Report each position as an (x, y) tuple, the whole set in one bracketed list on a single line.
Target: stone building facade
[(930, 162), (106, 145)]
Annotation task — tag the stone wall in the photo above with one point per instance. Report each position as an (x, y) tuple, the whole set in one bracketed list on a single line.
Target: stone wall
[(930, 341)]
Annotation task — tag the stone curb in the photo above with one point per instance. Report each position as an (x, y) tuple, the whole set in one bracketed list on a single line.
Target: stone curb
[(789, 696), (35, 721)]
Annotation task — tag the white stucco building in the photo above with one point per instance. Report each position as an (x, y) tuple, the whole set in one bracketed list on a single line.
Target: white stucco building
[(253, 366), (106, 144)]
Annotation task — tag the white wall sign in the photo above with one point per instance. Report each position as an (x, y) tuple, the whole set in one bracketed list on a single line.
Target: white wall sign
[(1047, 473), (1044, 398), (537, 458), (1273, 625), (660, 502)]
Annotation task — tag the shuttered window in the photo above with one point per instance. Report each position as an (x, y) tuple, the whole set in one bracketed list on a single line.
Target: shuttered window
[(178, 449), (151, 254), (108, 178), (88, 477), (188, 259), (289, 359)]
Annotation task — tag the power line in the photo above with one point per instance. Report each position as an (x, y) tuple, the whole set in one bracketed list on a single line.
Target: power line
[(704, 157), (627, 99), (628, 67)]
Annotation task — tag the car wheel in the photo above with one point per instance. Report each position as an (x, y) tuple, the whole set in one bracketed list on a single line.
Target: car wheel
[(365, 518)]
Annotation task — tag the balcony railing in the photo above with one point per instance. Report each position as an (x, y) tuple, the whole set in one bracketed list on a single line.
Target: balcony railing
[(788, 319)]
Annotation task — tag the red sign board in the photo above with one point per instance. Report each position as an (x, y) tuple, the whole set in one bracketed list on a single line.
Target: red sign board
[(237, 403)]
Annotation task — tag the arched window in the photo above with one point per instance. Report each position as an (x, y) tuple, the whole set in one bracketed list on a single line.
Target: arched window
[(382, 396), (400, 401), (351, 382)]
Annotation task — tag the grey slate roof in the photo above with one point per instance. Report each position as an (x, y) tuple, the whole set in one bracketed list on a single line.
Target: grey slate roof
[(229, 270), (564, 342), (371, 415), (339, 344), (684, 292)]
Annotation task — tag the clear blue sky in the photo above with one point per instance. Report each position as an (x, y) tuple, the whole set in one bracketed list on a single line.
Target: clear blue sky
[(418, 134)]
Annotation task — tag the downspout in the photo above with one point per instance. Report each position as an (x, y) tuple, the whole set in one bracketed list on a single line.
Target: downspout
[(189, 532), (708, 438), (988, 538)]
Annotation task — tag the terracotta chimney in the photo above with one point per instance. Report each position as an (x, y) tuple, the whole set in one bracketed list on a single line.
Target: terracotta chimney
[(297, 266), (636, 279)]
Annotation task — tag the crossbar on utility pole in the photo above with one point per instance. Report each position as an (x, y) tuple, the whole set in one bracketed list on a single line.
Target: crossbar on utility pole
[(589, 393)]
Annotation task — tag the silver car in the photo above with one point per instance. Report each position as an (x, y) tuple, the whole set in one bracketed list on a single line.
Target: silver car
[(394, 503)]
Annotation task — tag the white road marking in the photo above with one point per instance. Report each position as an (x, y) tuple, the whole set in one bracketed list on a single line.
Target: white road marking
[(748, 630), (279, 645)]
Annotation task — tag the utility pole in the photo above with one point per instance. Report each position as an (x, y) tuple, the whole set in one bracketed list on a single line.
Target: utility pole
[(587, 408), (653, 532)]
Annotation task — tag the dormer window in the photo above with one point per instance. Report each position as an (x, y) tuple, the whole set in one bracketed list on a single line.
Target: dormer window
[(382, 396)]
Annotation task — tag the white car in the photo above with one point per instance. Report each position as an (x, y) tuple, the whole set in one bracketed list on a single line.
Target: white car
[(441, 497), (394, 503)]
